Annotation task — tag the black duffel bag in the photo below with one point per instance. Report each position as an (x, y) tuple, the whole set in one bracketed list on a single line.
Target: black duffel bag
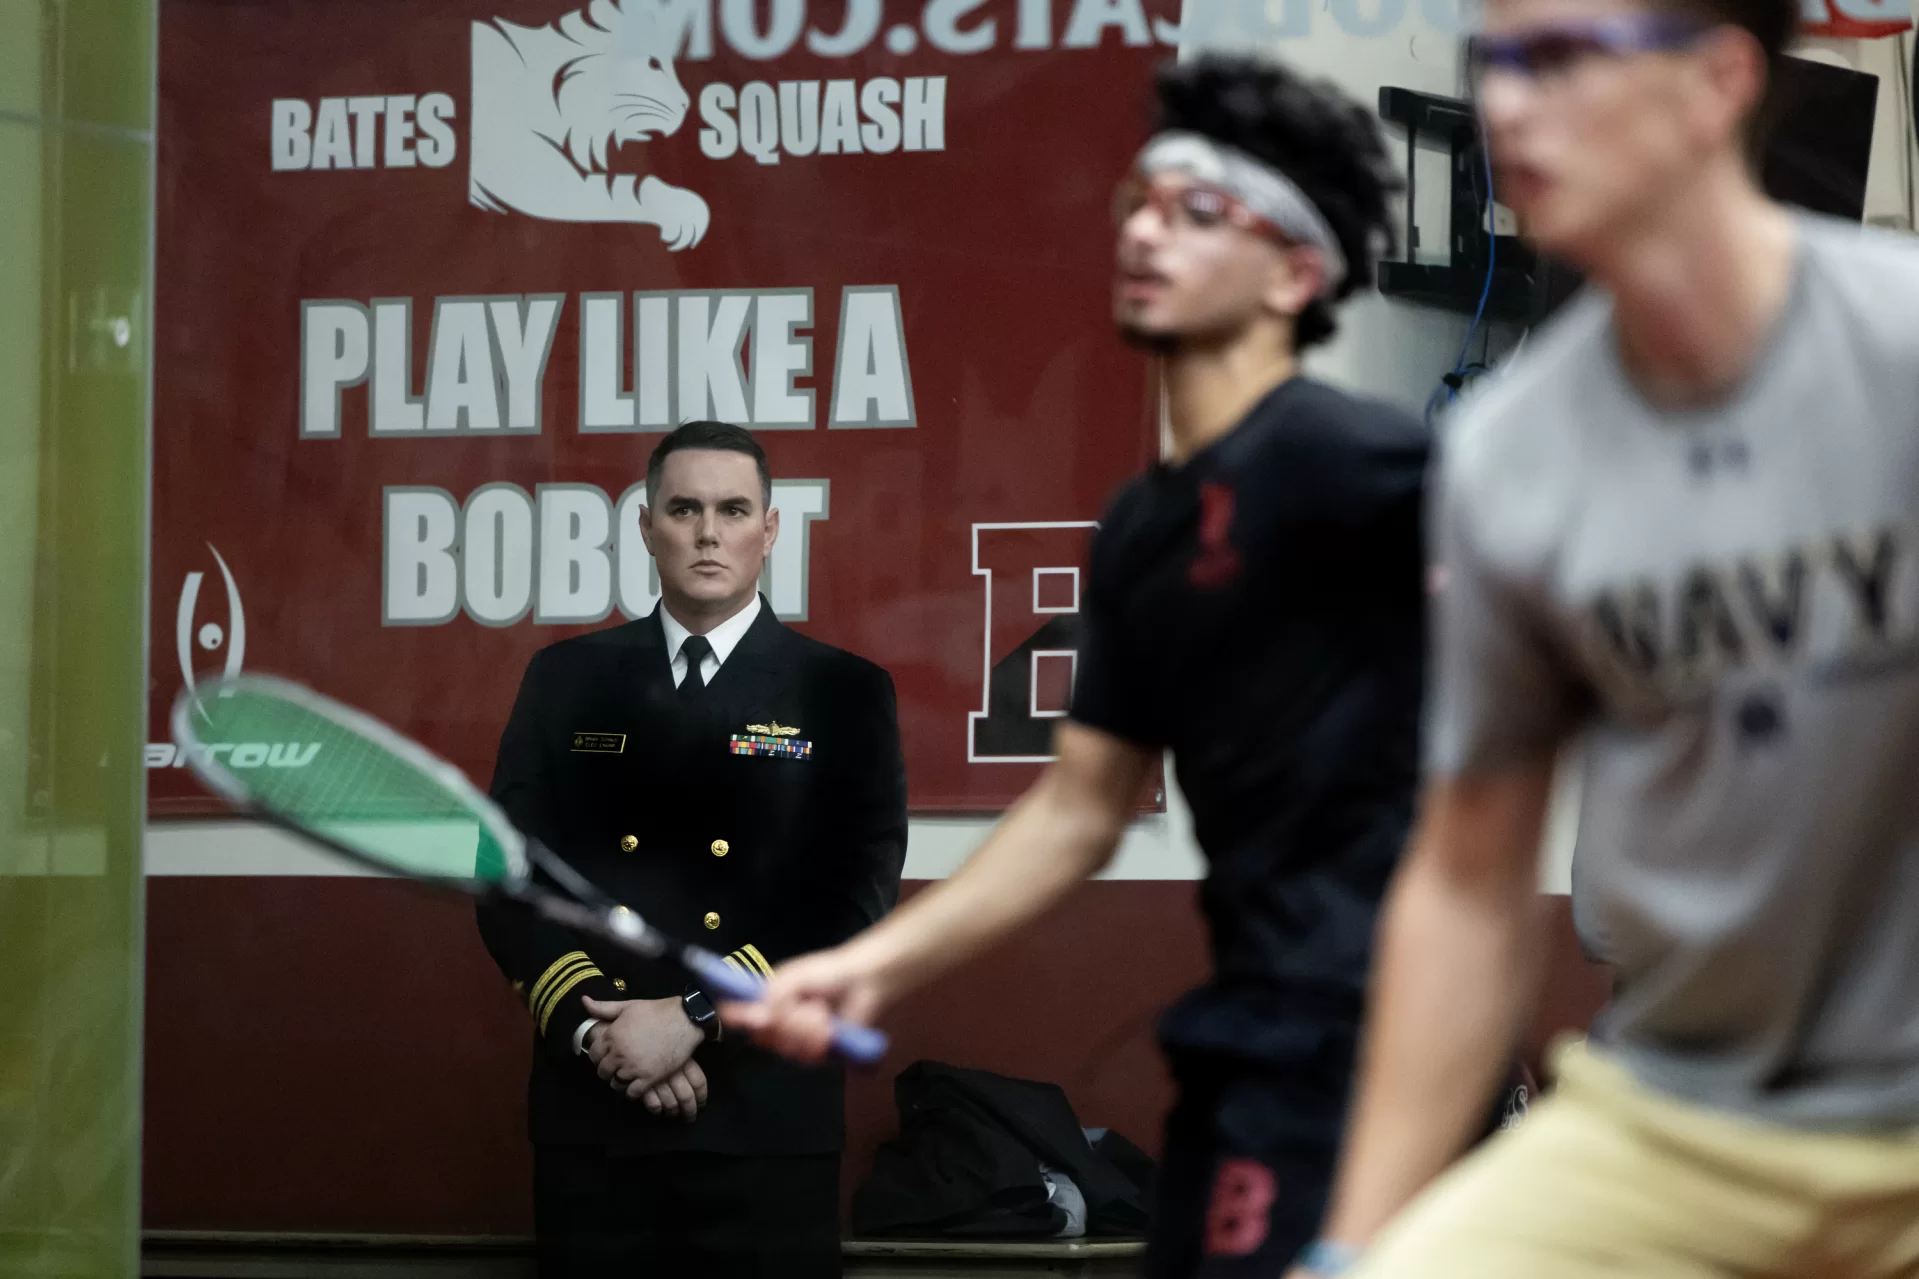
[(973, 1161)]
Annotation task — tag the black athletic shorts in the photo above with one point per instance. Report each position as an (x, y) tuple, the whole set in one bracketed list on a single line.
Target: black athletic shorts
[(1247, 1164), (1249, 1158)]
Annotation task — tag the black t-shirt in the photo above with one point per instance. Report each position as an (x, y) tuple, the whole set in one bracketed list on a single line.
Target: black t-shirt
[(1260, 610)]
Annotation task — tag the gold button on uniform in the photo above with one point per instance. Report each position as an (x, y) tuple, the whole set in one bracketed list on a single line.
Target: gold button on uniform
[(711, 921), (721, 848), (619, 983), (629, 842)]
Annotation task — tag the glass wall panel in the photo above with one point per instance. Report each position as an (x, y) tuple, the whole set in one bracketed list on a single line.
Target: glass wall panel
[(75, 295)]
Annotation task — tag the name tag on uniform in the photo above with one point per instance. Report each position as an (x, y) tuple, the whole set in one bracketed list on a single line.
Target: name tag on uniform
[(600, 743), (773, 739)]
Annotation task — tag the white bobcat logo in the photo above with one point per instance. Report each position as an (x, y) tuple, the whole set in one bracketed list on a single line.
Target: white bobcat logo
[(547, 103)]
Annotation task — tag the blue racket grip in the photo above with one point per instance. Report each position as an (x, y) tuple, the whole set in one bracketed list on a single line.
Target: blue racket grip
[(861, 1045)]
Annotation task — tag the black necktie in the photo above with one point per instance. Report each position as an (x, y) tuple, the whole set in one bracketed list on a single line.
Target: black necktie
[(694, 650)]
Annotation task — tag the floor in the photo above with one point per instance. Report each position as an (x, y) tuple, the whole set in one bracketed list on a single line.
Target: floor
[(212, 1256)]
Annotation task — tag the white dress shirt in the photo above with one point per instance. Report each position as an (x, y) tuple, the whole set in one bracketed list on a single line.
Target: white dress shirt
[(724, 638)]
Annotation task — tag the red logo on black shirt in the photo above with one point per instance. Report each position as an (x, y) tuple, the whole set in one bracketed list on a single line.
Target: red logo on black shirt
[(1217, 562), (1239, 1218)]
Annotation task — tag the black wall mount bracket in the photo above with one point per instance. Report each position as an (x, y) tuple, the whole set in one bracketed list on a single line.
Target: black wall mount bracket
[(1456, 285)]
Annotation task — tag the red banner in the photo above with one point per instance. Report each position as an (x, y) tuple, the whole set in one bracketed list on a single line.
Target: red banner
[(1854, 19), (434, 275)]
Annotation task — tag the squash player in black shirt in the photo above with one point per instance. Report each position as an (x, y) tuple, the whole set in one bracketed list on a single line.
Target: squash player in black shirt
[(1256, 606)]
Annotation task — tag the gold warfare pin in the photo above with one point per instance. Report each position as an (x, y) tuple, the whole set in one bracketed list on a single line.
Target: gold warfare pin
[(773, 740)]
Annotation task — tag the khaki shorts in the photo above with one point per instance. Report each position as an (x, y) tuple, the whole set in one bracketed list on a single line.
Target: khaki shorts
[(1608, 1177)]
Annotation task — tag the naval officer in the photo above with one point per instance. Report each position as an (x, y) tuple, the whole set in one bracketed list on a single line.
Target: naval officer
[(739, 785)]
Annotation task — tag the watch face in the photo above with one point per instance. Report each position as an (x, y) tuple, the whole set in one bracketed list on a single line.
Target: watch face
[(700, 1010)]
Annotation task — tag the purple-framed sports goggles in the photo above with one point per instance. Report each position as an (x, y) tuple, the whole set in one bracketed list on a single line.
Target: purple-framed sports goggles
[(1553, 47)]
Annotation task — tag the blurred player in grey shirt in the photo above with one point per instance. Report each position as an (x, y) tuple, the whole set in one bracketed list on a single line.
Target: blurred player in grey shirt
[(1682, 529)]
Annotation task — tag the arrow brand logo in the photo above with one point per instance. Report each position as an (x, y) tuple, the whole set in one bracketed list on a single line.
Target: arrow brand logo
[(209, 637), (550, 102)]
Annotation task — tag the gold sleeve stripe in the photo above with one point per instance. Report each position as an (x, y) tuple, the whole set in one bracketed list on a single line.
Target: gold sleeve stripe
[(749, 959), (553, 973), (553, 970), (559, 969), (579, 967), (553, 1001), (553, 988)]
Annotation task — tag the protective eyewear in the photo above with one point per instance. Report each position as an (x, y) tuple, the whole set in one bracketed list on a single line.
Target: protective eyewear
[(1185, 203), (1543, 52)]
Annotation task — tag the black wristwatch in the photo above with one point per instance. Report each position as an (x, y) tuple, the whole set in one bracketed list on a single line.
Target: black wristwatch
[(700, 1011)]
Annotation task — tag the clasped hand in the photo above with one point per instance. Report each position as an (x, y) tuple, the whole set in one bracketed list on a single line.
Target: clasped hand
[(644, 1049)]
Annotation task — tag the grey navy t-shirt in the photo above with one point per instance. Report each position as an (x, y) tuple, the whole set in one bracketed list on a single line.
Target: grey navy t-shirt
[(1723, 605)]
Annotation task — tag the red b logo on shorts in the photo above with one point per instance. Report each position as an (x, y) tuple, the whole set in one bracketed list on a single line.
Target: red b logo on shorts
[(1236, 1223)]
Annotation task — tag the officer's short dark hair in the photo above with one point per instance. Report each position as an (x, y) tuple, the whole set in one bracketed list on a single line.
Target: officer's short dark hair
[(1328, 144), (708, 435)]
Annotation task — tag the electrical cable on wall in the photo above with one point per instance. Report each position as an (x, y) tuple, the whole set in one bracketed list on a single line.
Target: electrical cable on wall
[(1903, 76), (1908, 64), (1447, 392)]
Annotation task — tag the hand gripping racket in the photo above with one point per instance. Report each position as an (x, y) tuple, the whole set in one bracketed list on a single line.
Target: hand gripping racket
[(345, 781)]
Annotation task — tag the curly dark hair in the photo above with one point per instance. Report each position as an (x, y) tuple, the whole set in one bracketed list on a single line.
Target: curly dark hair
[(1310, 131)]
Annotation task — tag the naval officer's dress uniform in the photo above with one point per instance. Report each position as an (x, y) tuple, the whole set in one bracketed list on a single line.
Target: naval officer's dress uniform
[(760, 811)]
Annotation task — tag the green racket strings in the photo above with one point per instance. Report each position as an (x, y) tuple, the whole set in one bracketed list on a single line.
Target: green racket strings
[(343, 784)]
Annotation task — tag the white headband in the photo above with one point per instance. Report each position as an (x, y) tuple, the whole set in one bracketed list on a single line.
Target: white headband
[(1258, 185)]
